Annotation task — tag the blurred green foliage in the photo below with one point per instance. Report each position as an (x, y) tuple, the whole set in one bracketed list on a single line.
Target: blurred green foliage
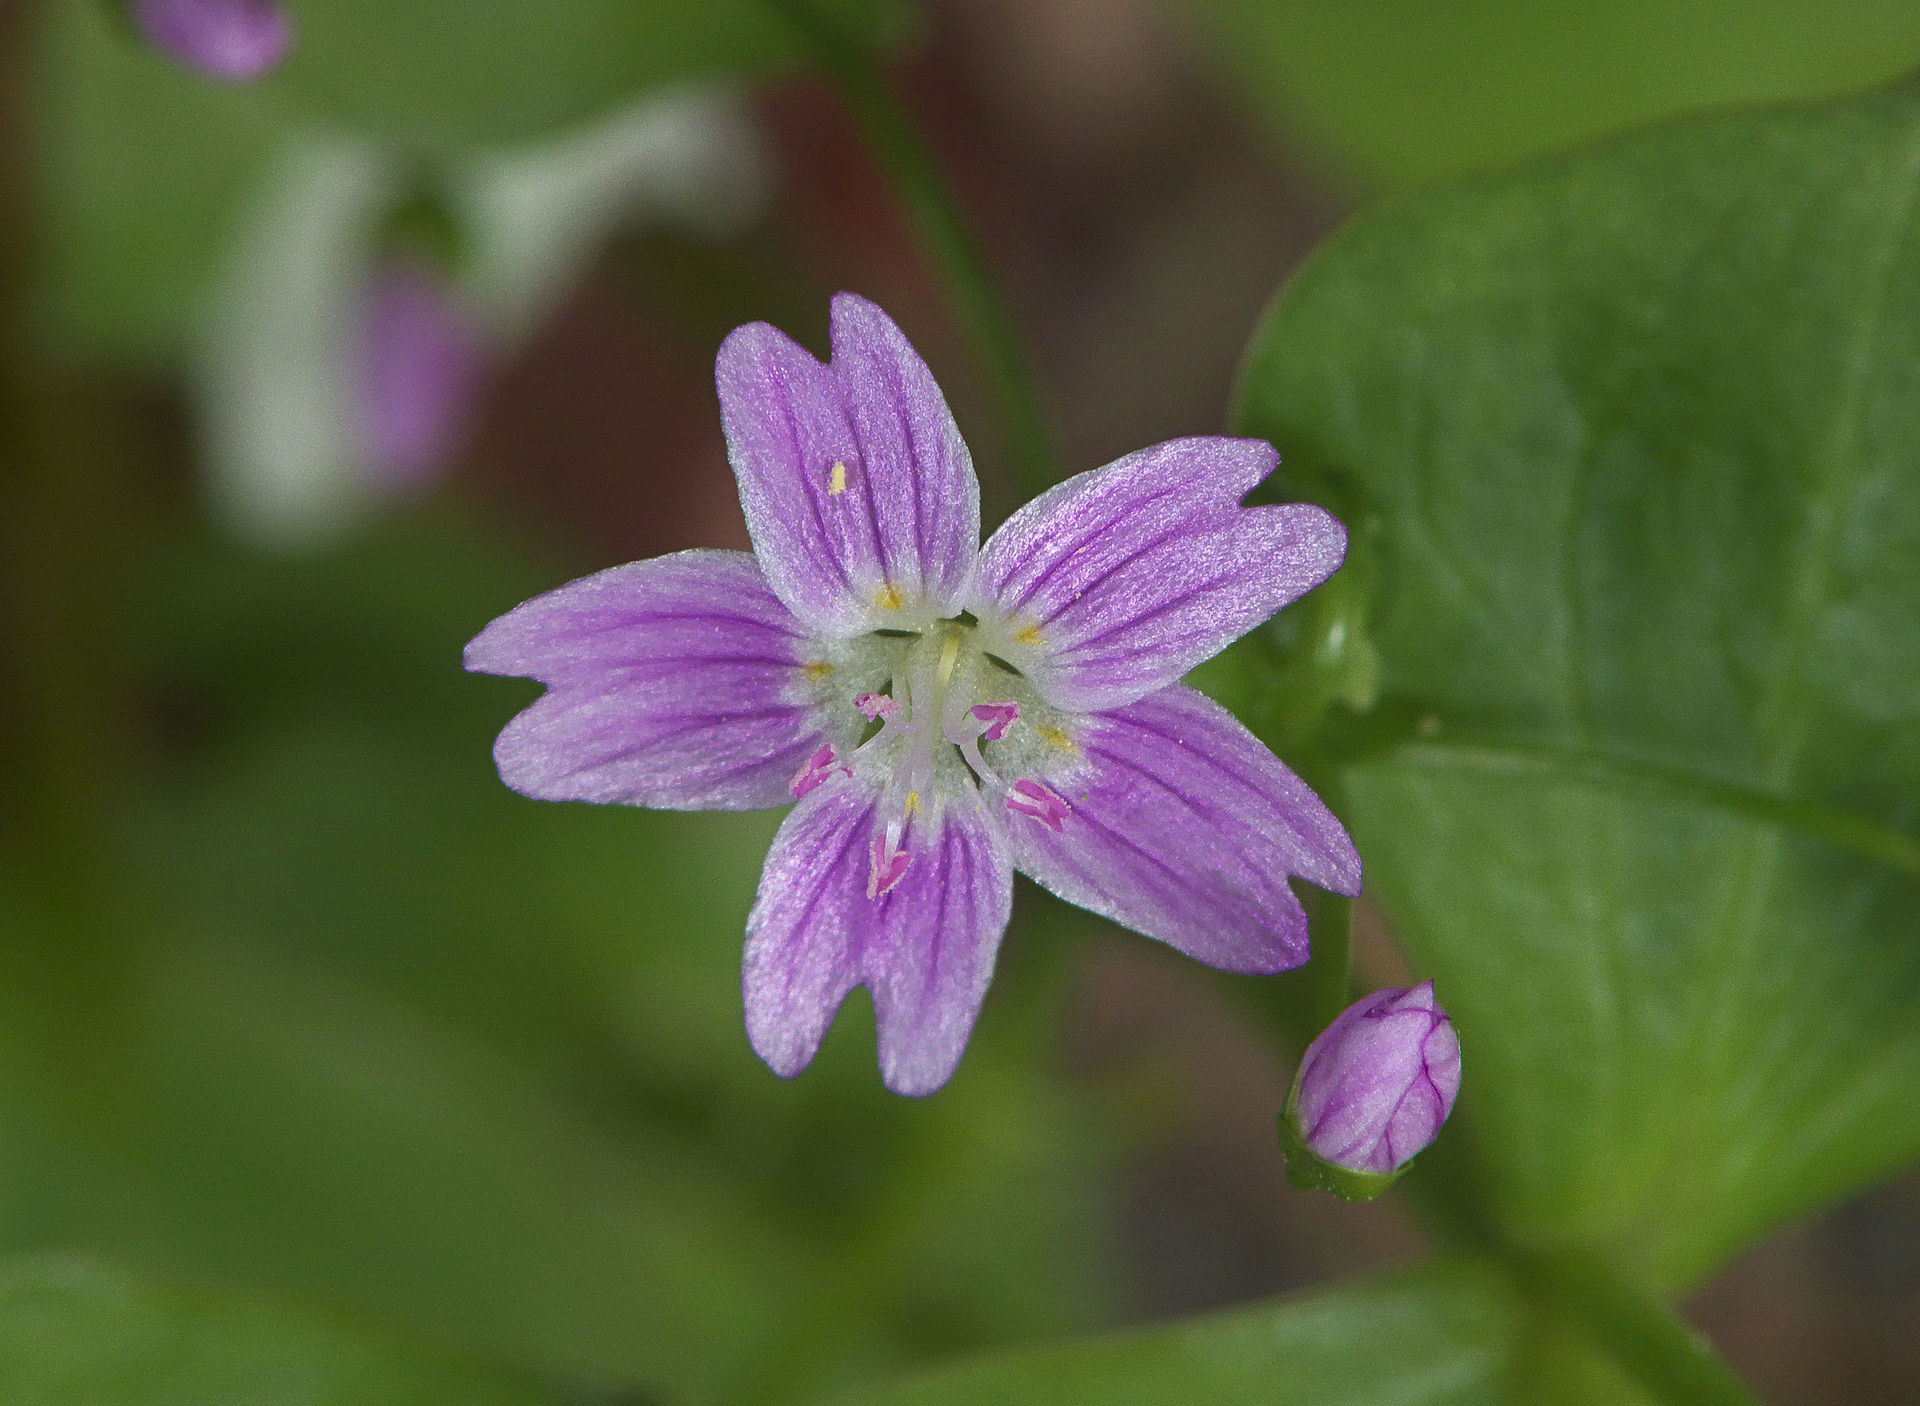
[(1402, 92), (141, 173), (434, 74), (144, 170), (78, 1334), (1445, 1334), (393, 1036)]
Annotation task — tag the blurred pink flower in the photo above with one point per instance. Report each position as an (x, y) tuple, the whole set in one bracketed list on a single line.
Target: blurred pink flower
[(234, 41), (417, 360)]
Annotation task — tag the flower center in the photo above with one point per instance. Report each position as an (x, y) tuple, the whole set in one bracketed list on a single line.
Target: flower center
[(938, 698)]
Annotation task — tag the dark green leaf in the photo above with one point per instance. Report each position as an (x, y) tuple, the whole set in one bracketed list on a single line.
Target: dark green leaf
[(1631, 441), (1407, 90), (433, 73), (74, 1333), (1441, 1335)]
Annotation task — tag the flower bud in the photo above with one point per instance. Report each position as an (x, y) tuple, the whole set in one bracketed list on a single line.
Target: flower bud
[(1372, 1091), (234, 41), (417, 366)]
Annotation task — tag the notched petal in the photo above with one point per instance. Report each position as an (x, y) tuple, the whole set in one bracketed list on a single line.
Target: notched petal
[(1118, 581), (858, 490), (680, 683), (925, 946), (1183, 826)]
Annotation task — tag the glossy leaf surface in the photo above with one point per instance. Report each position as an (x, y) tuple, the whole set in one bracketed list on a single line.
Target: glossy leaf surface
[(1630, 442)]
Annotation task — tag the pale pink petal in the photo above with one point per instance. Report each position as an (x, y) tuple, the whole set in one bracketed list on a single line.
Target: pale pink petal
[(1118, 581), (679, 683), (1180, 824), (925, 947)]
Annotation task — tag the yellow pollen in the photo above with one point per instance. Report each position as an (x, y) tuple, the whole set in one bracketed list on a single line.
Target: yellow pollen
[(913, 803), (817, 669), (1029, 634), (889, 597), (1057, 739), (837, 483)]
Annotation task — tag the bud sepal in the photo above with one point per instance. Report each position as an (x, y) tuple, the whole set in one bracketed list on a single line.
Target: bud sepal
[(1308, 1171)]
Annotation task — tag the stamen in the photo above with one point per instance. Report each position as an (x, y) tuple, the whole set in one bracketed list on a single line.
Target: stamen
[(889, 865), (970, 749), (929, 705), (816, 770), (997, 718), (1036, 802)]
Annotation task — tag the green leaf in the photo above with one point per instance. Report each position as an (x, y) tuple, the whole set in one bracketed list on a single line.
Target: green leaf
[(380, 1032), (1629, 442), (1440, 1334), (141, 171), (75, 1333), (432, 74), (1409, 90)]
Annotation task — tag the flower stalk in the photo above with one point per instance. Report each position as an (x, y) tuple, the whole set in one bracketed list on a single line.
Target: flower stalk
[(950, 244), (1668, 1358)]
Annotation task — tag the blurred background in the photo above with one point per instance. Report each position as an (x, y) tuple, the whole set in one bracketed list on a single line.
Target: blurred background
[(305, 381)]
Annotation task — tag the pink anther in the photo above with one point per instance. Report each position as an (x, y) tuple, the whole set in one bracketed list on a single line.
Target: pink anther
[(816, 770), (876, 705), (888, 868), (998, 717), (1036, 802)]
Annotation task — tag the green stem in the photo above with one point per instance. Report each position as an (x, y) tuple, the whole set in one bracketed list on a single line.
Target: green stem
[(56, 772), (931, 206), (1330, 929), (1655, 1347), (64, 968)]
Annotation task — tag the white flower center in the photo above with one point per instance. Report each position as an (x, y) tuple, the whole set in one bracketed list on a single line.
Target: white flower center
[(950, 716)]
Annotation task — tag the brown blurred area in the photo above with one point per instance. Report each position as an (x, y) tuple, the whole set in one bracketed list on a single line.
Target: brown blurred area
[(1139, 225)]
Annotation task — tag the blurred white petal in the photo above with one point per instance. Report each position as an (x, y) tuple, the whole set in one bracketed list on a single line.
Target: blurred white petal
[(692, 159), (276, 399), (280, 393)]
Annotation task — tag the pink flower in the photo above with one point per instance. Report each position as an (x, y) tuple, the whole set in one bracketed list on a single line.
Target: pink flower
[(1027, 695)]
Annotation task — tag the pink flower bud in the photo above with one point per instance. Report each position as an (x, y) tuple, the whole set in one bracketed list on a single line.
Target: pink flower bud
[(418, 367), (1375, 1087), (234, 41)]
